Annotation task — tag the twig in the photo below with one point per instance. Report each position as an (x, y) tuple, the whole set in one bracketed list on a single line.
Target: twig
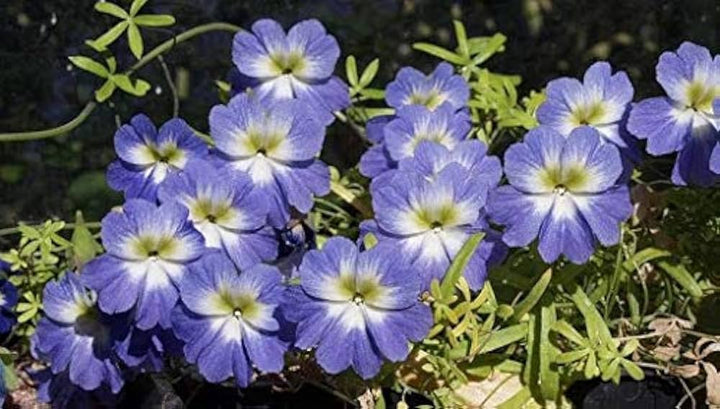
[(332, 391), (85, 113), (171, 85), (689, 394), (49, 133)]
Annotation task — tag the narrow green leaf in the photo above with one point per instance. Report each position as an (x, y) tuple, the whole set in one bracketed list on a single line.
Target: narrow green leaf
[(104, 92), (369, 241), (380, 402), (518, 400), (633, 370), (372, 93), (524, 306), (457, 268), (461, 36), (504, 337), (27, 315), (549, 378), (489, 48), (563, 328), (571, 356), (135, 40), (596, 326), (89, 65), (9, 377), (154, 20), (136, 6), (84, 245), (683, 277), (369, 73), (643, 256), (111, 9), (440, 52), (351, 70), (101, 43)]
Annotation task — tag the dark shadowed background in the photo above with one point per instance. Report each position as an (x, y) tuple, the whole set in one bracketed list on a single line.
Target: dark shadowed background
[(39, 89)]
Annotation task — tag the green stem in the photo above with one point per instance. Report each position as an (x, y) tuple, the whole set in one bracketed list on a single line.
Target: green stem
[(345, 194), (14, 230), (90, 107), (49, 133), (195, 31)]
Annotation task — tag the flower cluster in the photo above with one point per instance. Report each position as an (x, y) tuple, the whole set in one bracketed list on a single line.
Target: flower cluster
[(187, 264), (208, 258)]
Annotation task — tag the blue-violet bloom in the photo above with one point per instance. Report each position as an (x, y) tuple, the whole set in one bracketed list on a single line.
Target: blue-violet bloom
[(357, 308), (601, 101), (225, 209), (276, 143), (442, 86), (75, 336), (147, 155), (564, 191), (229, 319), (684, 121), (148, 250), (8, 300), (298, 65), (429, 219)]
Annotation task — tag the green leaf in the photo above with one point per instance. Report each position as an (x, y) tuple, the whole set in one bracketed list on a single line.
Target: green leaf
[(487, 49), (101, 43), (504, 337), (135, 40), (571, 356), (549, 377), (518, 400), (369, 241), (369, 73), (440, 52), (111, 9), (461, 260), (633, 370), (683, 277), (154, 20), (461, 36), (106, 91), (524, 306), (351, 70), (9, 377), (596, 326), (89, 65), (136, 6), (140, 88), (372, 93), (84, 246), (643, 256), (380, 402), (27, 315), (568, 331)]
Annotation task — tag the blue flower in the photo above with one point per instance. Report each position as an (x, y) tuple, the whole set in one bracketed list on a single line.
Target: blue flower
[(564, 190), (412, 87), (600, 101), (225, 209), (412, 125), (298, 65), (229, 320), (429, 219), (357, 308), (683, 121), (277, 144), (61, 393), (75, 336), (148, 249), (8, 300), (146, 350), (147, 156)]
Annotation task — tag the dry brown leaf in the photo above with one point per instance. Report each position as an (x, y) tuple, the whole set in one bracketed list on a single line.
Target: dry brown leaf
[(671, 328), (712, 385), (685, 371), (666, 353)]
